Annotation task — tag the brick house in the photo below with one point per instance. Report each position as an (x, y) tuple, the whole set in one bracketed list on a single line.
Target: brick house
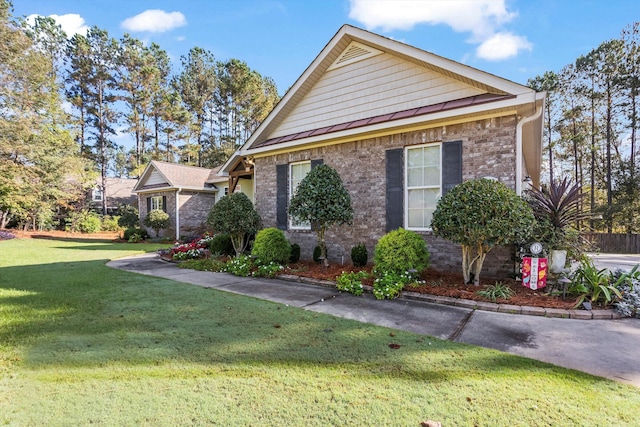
[(186, 193), (118, 192), (401, 126)]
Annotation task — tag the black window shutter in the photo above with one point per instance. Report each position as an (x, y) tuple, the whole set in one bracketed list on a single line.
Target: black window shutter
[(282, 196), (451, 165), (148, 204), (316, 162), (394, 171), (164, 203)]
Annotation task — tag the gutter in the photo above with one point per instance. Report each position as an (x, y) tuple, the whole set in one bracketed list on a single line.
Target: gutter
[(519, 159), (178, 213)]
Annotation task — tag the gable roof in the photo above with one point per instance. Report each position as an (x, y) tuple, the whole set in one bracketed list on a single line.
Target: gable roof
[(485, 93), (163, 175)]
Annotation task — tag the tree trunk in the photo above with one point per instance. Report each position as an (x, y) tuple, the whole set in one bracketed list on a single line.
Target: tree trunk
[(323, 245)]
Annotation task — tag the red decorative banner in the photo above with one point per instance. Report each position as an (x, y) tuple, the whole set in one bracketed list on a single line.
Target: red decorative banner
[(534, 272)]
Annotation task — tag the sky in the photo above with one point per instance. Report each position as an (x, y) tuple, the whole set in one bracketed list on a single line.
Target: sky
[(514, 39)]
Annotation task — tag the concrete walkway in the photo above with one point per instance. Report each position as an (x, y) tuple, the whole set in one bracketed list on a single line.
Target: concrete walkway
[(607, 348)]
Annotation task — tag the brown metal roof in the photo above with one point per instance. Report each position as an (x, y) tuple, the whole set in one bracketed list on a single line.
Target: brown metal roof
[(413, 112)]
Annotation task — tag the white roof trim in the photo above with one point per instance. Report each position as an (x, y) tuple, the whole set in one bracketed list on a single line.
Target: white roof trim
[(375, 41)]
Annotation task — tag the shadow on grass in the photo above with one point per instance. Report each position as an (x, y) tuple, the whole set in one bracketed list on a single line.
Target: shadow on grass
[(84, 314)]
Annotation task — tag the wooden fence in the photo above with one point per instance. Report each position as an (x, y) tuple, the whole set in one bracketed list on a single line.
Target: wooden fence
[(615, 243)]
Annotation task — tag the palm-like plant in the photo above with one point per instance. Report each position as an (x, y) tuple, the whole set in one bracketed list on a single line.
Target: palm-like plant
[(559, 204), (557, 209)]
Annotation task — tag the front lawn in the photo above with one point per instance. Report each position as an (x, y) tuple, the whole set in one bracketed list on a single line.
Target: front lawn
[(82, 344)]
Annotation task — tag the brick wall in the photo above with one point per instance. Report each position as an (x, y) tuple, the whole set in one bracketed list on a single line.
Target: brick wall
[(488, 150), (194, 209)]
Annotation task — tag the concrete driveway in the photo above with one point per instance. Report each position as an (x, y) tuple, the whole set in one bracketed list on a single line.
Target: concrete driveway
[(614, 262)]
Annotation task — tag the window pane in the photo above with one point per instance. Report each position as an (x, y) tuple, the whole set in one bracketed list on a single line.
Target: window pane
[(414, 157), (298, 172), (415, 177), (416, 218)]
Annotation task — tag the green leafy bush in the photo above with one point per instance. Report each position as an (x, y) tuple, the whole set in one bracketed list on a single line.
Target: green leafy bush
[(496, 291), (269, 269), (359, 255), (271, 246), (321, 199), (390, 284), (480, 214), (128, 216), (83, 221), (157, 219), (239, 266), (400, 251), (235, 215), (352, 282), (110, 223), (595, 285), (221, 244), (295, 253), (131, 231)]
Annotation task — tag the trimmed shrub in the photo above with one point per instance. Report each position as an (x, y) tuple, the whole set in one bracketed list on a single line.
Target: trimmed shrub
[(157, 220), (295, 253), (131, 231), (359, 255), (221, 244), (400, 251), (129, 216), (271, 246), (83, 221), (110, 223), (235, 214)]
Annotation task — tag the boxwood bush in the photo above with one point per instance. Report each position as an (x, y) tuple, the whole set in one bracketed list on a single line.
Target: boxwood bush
[(271, 246), (359, 255), (400, 251), (295, 253)]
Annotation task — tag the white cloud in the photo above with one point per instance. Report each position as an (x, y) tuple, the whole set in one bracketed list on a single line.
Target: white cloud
[(502, 46), (154, 21), (71, 23), (482, 19)]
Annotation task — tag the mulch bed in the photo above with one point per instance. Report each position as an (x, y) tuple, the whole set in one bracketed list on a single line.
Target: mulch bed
[(443, 284)]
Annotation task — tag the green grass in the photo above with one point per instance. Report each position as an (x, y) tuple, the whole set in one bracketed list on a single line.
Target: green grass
[(82, 344)]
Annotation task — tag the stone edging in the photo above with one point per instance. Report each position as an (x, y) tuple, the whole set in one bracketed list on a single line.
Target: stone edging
[(481, 305)]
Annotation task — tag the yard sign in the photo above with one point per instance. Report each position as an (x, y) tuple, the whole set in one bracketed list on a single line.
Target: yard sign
[(534, 272)]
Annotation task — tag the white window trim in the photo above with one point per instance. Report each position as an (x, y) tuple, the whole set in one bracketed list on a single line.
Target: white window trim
[(157, 203), (291, 225), (406, 183)]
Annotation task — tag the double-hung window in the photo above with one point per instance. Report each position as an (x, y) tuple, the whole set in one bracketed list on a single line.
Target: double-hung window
[(156, 203), (297, 172), (423, 178)]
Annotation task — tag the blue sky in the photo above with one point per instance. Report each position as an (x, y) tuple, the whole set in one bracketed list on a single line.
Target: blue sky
[(514, 39)]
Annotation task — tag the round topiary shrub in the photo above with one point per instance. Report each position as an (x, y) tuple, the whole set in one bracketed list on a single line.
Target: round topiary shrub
[(400, 251), (271, 246), (221, 244), (295, 253), (157, 220), (359, 255)]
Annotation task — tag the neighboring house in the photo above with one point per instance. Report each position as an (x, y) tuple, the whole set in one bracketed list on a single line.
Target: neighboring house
[(119, 191), (401, 126), (186, 193)]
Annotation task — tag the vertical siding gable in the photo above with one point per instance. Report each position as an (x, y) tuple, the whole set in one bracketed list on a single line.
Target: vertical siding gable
[(155, 178), (370, 87)]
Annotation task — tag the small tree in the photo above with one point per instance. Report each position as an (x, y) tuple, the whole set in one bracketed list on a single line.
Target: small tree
[(157, 220), (235, 215), (322, 200), (479, 215)]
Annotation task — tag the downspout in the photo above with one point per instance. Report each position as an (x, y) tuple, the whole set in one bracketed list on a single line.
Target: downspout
[(519, 159), (178, 214)]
